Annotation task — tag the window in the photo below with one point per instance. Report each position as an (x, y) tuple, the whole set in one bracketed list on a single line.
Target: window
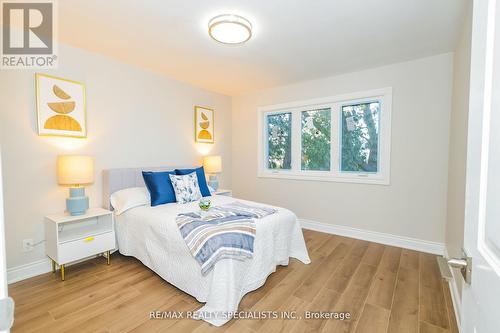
[(360, 137), (315, 135), (342, 138), (279, 141)]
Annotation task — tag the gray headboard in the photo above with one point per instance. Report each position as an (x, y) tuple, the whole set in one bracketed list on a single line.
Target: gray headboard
[(119, 179)]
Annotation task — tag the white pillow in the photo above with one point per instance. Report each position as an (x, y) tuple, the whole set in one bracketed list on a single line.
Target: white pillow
[(186, 187), (128, 198)]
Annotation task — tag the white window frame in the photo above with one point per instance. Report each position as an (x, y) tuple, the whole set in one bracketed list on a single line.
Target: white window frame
[(381, 177)]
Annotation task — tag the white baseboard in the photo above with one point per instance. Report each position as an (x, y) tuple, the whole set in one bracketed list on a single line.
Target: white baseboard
[(26, 271), (455, 296), (374, 236), (35, 268)]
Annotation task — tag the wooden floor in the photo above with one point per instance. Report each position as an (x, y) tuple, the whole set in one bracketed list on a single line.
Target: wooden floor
[(386, 289)]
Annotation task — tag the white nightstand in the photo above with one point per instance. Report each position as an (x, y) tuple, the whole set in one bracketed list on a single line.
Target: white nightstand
[(227, 193), (70, 238)]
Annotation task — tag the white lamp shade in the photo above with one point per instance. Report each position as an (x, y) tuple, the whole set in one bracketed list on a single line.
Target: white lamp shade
[(212, 164), (75, 170)]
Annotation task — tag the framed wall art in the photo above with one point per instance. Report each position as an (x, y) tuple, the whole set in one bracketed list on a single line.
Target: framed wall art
[(60, 105), (204, 124)]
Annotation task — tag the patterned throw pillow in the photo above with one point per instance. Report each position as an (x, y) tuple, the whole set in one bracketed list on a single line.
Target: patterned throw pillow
[(186, 187)]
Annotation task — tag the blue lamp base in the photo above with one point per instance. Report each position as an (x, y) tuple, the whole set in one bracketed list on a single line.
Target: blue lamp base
[(213, 182), (77, 203)]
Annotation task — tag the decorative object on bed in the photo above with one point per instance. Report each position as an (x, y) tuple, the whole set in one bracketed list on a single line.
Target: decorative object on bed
[(204, 204), (213, 166), (129, 198), (60, 106), (204, 124), (76, 171), (202, 181), (228, 233), (186, 187), (159, 186)]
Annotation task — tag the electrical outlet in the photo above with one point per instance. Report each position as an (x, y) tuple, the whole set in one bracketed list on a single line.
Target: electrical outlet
[(28, 244)]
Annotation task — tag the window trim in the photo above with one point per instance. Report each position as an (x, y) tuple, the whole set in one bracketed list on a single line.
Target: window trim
[(384, 96)]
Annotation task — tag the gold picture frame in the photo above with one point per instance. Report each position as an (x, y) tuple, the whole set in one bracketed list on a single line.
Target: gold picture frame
[(204, 124), (60, 107)]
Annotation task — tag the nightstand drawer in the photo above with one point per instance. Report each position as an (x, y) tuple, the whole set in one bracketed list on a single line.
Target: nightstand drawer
[(85, 247)]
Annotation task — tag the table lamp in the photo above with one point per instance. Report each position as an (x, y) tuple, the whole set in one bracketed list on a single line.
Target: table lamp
[(75, 171), (213, 166)]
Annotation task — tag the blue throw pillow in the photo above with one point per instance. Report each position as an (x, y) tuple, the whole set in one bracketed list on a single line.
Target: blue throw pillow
[(202, 181), (159, 186)]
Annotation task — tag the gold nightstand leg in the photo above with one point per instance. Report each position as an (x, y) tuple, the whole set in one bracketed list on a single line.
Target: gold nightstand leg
[(108, 257), (53, 266), (62, 272)]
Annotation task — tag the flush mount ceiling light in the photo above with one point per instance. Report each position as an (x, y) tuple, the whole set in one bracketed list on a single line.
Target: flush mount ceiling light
[(230, 29)]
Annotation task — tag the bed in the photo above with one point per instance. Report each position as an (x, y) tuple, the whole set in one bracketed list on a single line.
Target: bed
[(151, 235)]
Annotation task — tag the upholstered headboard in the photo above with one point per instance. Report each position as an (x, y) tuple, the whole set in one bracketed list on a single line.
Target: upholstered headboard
[(119, 179)]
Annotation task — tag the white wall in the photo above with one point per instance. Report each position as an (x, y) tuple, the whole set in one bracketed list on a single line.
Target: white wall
[(414, 205), (458, 145), (3, 265), (135, 118)]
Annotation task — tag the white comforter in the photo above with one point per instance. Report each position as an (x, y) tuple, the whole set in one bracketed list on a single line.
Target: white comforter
[(151, 235)]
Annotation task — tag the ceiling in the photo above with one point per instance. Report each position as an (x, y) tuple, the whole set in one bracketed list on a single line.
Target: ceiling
[(293, 40)]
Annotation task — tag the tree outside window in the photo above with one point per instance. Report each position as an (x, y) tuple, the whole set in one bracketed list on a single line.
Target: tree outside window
[(316, 134), (279, 141), (360, 137)]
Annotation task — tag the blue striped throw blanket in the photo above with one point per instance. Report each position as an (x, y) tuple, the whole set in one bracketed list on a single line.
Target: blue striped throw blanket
[(223, 232)]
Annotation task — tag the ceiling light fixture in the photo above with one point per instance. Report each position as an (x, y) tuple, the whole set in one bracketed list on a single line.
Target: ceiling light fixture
[(230, 29)]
